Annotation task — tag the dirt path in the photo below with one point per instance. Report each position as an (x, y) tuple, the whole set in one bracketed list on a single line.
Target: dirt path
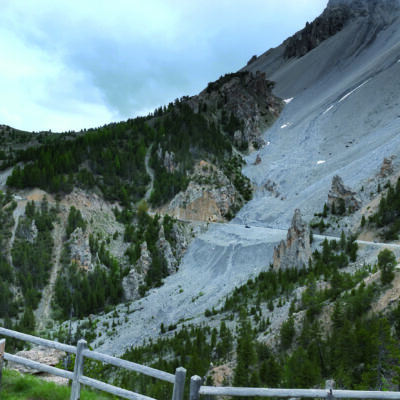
[(42, 313)]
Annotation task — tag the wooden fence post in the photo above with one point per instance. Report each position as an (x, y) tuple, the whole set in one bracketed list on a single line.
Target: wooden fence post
[(78, 370), (2, 347), (330, 385), (195, 383), (179, 385)]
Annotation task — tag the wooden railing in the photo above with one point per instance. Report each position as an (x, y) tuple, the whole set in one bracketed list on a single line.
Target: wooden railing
[(197, 389), (77, 377)]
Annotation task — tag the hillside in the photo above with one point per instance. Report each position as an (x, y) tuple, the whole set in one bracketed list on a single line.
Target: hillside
[(332, 153)]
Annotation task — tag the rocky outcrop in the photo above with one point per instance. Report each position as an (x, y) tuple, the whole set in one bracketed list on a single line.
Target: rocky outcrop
[(33, 232), (323, 27), (130, 285), (80, 249), (340, 193), (386, 168), (44, 355), (377, 13), (248, 97), (208, 197), (296, 251), (165, 248)]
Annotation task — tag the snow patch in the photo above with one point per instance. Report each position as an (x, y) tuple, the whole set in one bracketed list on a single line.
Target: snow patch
[(321, 162), (352, 91), (268, 143), (328, 109), (287, 101), (286, 125)]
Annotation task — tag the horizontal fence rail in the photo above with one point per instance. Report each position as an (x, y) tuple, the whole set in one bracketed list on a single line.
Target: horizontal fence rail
[(77, 377), (196, 389)]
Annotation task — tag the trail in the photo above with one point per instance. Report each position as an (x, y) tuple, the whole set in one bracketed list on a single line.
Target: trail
[(42, 314)]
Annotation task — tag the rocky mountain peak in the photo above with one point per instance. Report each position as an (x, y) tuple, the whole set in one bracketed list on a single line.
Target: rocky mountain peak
[(337, 14)]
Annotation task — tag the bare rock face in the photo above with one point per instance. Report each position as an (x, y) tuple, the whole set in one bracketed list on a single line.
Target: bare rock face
[(130, 285), (338, 13), (208, 197), (340, 192), (80, 249), (296, 251), (32, 235), (164, 246), (386, 168), (44, 355), (135, 277), (249, 98)]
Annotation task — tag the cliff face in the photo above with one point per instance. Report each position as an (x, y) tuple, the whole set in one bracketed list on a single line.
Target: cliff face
[(377, 13), (248, 97)]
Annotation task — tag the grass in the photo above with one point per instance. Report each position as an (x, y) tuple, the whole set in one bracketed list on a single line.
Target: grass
[(15, 386)]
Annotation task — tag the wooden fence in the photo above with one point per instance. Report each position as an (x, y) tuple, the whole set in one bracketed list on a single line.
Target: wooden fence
[(196, 389), (81, 351)]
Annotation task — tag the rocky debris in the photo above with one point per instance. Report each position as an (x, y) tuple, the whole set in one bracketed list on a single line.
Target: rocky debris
[(271, 187), (340, 192), (164, 246), (80, 249), (386, 168), (296, 251), (44, 355)]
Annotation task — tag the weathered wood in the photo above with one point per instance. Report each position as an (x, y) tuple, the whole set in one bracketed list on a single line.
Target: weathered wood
[(165, 376), (179, 385), (105, 387), (287, 393), (78, 370), (38, 341), (195, 385), (38, 366), (2, 347), (329, 386)]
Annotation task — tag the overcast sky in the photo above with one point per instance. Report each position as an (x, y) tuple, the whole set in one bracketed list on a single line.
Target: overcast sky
[(73, 64)]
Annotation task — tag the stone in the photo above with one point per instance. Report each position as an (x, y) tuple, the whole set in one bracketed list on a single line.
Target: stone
[(44, 355), (130, 285), (80, 249), (340, 191), (165, 248), (386, 168), (258, 160), (296, 251)]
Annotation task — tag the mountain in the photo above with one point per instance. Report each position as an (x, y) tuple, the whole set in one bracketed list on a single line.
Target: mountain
[(326, 161), (341, 118)]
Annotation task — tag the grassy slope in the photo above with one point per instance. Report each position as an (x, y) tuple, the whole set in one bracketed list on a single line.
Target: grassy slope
[(22, 387)]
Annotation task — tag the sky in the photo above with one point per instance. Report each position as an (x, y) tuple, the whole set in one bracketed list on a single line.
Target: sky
[(75, 64)]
